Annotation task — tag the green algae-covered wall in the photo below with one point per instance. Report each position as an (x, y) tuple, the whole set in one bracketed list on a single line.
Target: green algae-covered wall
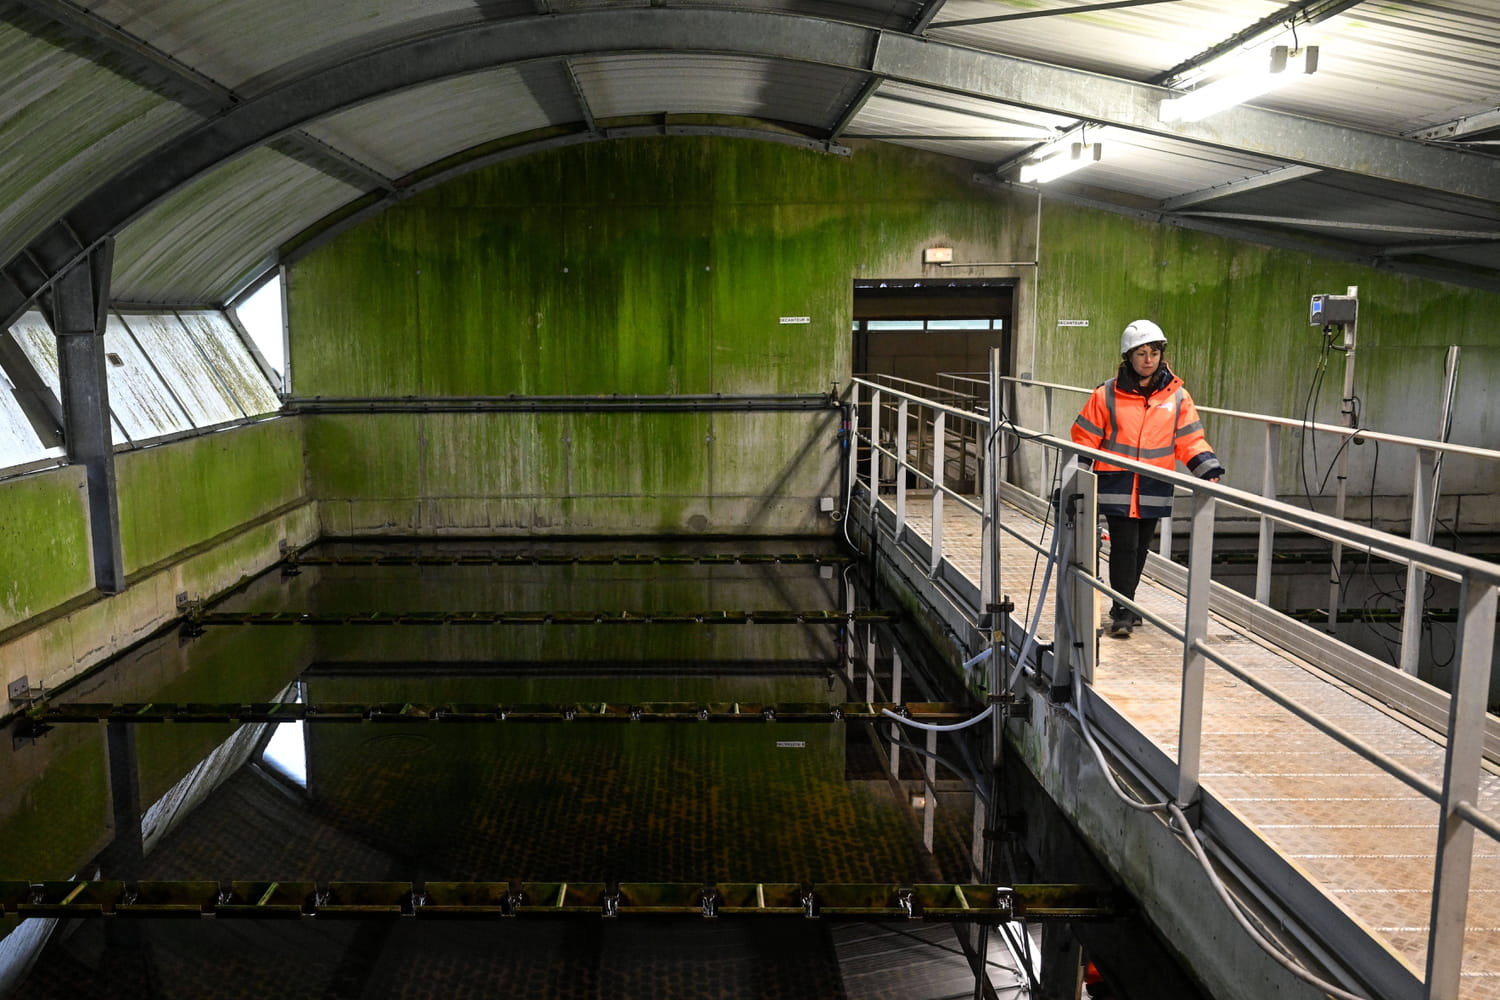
[(44, 543), (636, 267), (184, 494), (1237, 318)]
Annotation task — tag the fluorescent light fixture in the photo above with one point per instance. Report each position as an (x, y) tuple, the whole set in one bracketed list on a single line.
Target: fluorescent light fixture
[(1239, 87), (1066, 158)]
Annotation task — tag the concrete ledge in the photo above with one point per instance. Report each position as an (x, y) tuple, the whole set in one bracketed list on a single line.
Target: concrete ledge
[(66, 645)]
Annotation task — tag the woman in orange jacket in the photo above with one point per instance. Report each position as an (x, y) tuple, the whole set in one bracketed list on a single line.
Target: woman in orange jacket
[(1143, 413)]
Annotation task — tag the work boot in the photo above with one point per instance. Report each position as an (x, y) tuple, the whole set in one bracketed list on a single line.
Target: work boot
[(1120, 624)]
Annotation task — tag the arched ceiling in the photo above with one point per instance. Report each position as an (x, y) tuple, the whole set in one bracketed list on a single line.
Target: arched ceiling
[(213, 137)]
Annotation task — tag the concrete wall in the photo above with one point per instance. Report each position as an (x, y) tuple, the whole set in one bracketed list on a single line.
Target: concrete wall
[(644, 266), (196, 517), (663, 265), (1236, 316)]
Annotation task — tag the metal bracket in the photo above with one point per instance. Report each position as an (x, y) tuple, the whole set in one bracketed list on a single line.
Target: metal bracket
[(1012, 706), (19, 692)]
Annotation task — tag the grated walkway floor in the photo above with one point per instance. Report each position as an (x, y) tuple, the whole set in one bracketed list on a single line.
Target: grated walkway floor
[(1361, 835)]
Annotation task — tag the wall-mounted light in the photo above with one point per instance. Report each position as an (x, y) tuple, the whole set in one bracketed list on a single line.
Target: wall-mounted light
[(1058, 159), (1238, 87)]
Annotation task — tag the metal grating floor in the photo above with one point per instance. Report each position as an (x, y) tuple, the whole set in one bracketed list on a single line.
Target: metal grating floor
[(1362, 836)]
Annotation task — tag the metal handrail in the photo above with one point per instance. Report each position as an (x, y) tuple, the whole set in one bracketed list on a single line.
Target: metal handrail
[(1383, 437), (1479, 580), (1429, 456)]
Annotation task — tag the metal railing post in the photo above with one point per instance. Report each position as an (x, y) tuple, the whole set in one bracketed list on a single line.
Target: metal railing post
[(939, 425), (895, 726), (989, 533), (1416, 577), (1263, 548), (1073, 645), (1194, 664), (874, 455), (853, 443), (901, 411), (929, 796), (1462, 768)]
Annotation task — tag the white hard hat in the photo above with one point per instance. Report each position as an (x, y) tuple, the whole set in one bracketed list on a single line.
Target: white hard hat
[(1142, 331)]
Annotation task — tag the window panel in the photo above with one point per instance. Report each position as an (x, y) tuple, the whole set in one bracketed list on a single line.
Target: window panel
[(168, 373), (19, 444), (239, 373), (180, 363), (137, 396), (39, 344)]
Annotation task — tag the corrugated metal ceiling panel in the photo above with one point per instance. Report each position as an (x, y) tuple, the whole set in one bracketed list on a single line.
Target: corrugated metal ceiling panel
[(230, 218), (251, 44), (1367, 212), (1392, 67), (65, 123), (624, 86), (897, 15), (1137, 43), (1157, 169), (1396, 67), (409, 130), (71, 118), (1135, 164)]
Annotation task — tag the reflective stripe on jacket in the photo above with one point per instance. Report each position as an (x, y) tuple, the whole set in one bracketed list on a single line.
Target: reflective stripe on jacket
[(1159, 428)]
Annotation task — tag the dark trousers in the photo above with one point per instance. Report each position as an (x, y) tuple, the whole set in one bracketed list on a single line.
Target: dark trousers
[(1130, 539)]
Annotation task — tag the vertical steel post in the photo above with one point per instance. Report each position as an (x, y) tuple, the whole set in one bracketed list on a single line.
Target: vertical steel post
[(929, 814), (939, 426), (1462, 769), (126, 854), (874, 456), (853, 442), (79, 306), (1263, 548), (1194, 664), (901, 415), (895, 726), (1416, 577), (846, 657), (1074, 633), (1343, 475), (1424, 511)]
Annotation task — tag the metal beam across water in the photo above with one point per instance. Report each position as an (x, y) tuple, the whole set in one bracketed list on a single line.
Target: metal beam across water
[(147, 713), (324, 900)]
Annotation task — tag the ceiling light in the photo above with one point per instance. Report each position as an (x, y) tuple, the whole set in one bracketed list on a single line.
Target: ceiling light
[(1239, 87), (1065, 158)]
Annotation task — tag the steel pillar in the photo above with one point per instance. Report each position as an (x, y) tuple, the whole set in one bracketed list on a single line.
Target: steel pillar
[(78, 303)]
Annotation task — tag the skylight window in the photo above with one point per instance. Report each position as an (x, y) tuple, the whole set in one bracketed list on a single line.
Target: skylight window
[(170, 374), (260, 315)]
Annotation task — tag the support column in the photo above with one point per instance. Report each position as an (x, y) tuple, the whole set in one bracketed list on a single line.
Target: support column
[(1062, 963), (78, 305), (126, 853)]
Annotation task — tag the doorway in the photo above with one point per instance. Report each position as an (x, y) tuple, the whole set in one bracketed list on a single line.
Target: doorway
[(916, 329)]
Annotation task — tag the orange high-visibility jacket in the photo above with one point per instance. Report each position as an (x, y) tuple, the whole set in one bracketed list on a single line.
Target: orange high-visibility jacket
[(1160, 428)]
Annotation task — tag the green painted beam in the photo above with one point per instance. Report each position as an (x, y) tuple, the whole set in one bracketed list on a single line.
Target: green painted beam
[(408, 712), (948, 902)]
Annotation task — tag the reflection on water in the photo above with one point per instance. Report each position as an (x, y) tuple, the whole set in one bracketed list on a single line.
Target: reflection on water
[(492, 801)]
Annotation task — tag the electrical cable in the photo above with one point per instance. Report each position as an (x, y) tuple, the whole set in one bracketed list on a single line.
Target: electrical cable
[(1179, 822), (933, 727), (968, 781)]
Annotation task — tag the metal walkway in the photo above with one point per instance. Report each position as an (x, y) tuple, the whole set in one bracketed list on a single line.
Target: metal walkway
[(1361, 835), (1325, 825)]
